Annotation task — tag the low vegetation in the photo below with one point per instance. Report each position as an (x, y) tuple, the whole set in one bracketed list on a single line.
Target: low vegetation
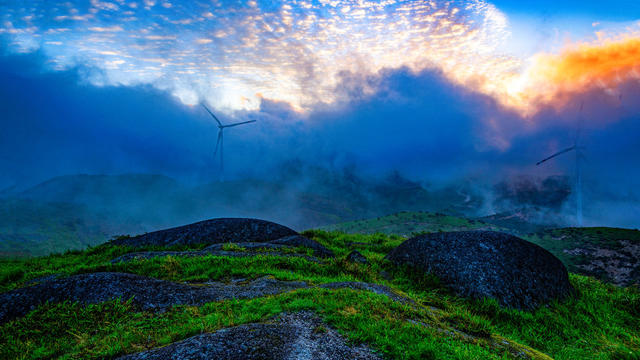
[(408, 223), (609, 254), (31, 228), (602, 322)]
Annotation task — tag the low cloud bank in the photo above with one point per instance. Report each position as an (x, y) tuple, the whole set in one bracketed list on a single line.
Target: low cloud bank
[(421, 126)]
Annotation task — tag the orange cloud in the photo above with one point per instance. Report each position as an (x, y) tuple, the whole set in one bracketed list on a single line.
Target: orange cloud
[(588, 65), (556, 79)]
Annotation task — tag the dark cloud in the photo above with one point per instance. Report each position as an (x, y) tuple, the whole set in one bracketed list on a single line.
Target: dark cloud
[(54, 124), (420, 124)]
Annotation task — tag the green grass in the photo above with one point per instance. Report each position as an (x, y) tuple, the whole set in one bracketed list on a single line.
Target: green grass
[(602, 322), (408, 223), (559, 241), (568, 238), (115, 328), (31, 228)]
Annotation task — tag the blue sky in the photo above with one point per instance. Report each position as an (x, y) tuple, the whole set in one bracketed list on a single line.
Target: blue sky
[(620, 10), (442, 91)]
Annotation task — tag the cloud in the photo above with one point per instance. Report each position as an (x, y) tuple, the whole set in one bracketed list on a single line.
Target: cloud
[(114, 28), (284, 51), (236, 56), (559, 80), (418, 87), (421, 124)]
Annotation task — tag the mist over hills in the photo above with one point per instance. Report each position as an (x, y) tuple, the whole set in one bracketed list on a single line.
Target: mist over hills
[(75, 211)]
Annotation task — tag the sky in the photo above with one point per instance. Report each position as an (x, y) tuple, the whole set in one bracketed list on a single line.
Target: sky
[(441, 91)]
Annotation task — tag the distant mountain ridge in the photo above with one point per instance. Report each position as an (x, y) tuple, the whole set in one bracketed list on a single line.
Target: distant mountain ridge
[(75, 211), (83, 188), (108, 205)]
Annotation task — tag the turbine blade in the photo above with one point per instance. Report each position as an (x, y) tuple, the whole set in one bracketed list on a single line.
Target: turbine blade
[(240, 123), (217, 143), (209, 111), (556, 154)]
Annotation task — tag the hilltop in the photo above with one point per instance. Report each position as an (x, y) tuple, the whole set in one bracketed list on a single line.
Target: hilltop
[(609, 254), (264, 291)]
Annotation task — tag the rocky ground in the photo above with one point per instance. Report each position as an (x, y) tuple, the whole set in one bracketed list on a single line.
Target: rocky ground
[(152, 294), (299, 335), (258, 290), (609, 254)]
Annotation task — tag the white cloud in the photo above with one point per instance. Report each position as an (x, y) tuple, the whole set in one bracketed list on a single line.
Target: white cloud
[(114, 28), (295, 52)]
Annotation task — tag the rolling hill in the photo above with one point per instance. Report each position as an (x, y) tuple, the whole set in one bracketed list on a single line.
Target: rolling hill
[(609, 254), (406, 223), (71, 212), (238, 301), (29, 228)]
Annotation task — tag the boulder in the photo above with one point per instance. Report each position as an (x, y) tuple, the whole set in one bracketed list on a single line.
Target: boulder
[(216, 232), (479, 264), (213, 231), (299, 335), (356, 257), (299, 240)]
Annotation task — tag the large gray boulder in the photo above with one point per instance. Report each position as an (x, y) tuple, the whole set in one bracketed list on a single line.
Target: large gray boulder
[(479, 264), (291, 336), (146, 293), (226, 230), (213, 231)]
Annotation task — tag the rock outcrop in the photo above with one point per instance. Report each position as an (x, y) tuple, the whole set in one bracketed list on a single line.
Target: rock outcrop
[(299, 335), (479, 264), (153, 294), (216, 250), (146, 293), (213, 231), (216, 232), (298, 241), (356, 257)]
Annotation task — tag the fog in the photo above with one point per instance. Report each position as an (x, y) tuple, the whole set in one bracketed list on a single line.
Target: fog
[(416, 142)]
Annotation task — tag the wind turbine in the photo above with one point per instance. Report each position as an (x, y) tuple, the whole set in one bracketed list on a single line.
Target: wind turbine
[(579, 156), (219, 143)]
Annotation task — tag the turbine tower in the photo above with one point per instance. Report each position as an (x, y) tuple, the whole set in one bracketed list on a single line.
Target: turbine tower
[(219, 143), (579, 156)]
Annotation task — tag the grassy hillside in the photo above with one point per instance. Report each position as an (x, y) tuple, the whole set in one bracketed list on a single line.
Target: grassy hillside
[(609, 254), (600, 323), (70, 212), (407, 223), (30, 228)]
